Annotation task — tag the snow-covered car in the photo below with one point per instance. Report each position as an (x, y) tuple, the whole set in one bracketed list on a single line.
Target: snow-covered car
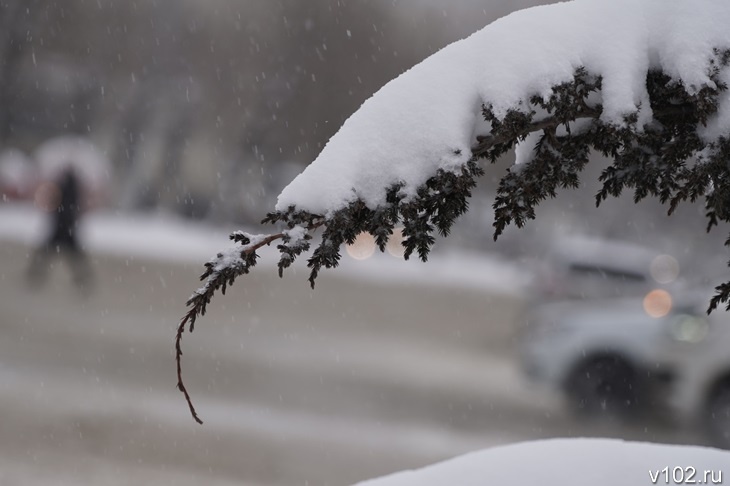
[(608, 355)]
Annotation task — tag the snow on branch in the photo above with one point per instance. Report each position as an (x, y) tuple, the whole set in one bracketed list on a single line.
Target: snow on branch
[(645, 82), (222, 271)]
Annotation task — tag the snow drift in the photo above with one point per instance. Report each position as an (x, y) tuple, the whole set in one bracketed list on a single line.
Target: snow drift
[(572, 462)]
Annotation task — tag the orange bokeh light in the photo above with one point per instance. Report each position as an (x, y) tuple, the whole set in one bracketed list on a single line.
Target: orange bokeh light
[(362, 248), (658, 303), (395, 243)]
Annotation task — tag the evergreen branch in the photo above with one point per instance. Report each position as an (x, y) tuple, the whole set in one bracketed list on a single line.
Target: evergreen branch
[(722, 296), (487, 142), (650, 159), (220, 273)]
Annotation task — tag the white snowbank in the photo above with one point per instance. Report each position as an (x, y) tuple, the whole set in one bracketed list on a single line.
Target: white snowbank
[(426, 118), (571, 462)]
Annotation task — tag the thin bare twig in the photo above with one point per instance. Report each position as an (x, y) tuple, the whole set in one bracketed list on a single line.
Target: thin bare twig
[(178, 356)]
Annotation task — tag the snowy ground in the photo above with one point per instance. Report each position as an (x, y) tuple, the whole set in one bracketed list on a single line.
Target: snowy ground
[(358, 378)]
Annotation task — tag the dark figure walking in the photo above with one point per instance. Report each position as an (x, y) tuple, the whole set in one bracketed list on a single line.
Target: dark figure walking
[(63, 237)]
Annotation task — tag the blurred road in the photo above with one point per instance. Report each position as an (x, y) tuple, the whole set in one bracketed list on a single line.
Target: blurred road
[(296, 387)]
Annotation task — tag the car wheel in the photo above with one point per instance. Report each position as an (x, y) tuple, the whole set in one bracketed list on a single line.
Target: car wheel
[(717, 418), (604, 386)]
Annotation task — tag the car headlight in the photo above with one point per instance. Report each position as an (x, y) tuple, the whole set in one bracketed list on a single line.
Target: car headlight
[(657, 303), (689, 329)]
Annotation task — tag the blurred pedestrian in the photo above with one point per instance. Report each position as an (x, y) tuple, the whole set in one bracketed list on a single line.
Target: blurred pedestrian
[(63, 201)]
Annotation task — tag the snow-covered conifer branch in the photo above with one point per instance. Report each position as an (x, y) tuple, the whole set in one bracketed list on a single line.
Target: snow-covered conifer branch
[(222, 271)]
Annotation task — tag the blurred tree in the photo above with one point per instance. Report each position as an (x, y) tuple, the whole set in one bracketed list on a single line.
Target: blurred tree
[(17, 19)]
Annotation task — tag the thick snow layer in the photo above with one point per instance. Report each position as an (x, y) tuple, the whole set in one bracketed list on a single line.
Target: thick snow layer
[(426, 118), (572, 462)]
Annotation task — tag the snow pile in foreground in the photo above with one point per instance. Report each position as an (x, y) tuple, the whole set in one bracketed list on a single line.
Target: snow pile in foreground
[(572, 462), (428, 117)]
